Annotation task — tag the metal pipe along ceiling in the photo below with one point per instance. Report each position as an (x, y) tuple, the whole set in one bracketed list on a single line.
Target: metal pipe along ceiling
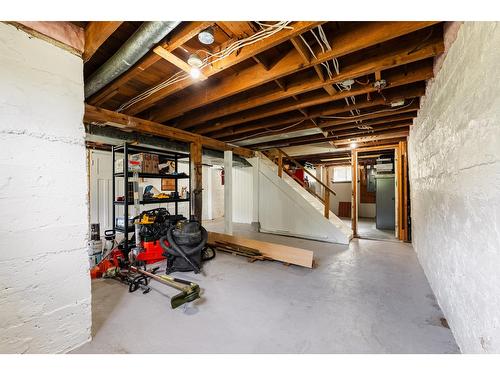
[(141, 42)]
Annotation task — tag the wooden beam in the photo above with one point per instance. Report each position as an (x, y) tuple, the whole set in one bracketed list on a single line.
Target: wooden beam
[(364, 36), (404, 154), (171, 58), (241, 55), (61, 33), (123, 121), (400, 79), (238, 29), (387, 135), (423, 72), (301, 48), (282, 253), (96, 33), (328, 125), (320, 138), (180, 37), (197, 179), (399, 193), (344, 109), (354, 191)]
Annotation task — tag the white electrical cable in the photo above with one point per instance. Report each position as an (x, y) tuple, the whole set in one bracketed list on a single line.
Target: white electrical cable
[(366, 114), (211, 58), (268, 131)]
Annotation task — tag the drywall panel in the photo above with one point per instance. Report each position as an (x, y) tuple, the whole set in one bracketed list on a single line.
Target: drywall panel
[(454, 160), (44, 278), (284, 210)]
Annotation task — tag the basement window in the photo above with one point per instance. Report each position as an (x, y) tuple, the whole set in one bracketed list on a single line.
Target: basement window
[(342, 174)]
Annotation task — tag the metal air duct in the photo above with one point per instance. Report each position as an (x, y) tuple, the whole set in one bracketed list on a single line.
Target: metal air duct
[(141, 42)]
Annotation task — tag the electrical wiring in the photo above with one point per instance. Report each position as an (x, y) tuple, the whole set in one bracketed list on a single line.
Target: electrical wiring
[(269, 131), (211, 58), (371, 113)]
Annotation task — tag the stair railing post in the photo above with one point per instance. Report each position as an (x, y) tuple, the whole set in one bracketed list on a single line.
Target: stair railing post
[(280, 164)]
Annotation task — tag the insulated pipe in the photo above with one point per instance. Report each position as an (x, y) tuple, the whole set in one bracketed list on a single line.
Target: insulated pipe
[(141, 42)]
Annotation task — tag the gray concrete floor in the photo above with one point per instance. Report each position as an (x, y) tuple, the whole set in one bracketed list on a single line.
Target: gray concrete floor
[(367, 229), (368, 297)]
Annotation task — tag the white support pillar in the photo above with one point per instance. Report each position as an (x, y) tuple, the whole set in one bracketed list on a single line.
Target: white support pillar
[(228, 192), (255, 190)]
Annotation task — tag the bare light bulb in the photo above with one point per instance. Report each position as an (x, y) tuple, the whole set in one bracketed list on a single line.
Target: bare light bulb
[(353, 144), (195, 73)]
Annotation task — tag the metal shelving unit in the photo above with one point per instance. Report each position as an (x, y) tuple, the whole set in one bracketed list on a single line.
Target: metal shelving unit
[(128, 149)]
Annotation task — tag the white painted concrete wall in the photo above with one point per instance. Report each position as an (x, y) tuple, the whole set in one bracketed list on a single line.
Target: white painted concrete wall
[(44, 279), (454, 155)]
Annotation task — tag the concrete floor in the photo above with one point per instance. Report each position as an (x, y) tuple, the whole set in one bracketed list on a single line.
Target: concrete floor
[(367, 229), (368, 297)]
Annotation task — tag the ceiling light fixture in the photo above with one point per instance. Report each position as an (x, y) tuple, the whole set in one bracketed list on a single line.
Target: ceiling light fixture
[(195, 61), (347, 82), (397, 103), (206, 36), (353, 144)]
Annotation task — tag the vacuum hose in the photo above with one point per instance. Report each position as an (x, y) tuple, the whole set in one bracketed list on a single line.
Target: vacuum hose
[(184, 250)]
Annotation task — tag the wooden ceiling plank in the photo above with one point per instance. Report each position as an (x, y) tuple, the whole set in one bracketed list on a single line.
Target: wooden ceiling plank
[(129, 123), (366, 35), (96, 33), (186, 33), (241, 55)]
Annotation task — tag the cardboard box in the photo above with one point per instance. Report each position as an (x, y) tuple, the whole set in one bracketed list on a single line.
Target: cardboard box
[(132, 166), (149, 162)]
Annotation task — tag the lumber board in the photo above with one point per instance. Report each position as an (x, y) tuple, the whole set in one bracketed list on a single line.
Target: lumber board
[(283, 253)]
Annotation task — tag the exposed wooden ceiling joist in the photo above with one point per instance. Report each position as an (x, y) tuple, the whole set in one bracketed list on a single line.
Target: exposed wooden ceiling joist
[(367, 66), (96, 33), (421, 74), (364, 36), (180, 37), (243, 54)]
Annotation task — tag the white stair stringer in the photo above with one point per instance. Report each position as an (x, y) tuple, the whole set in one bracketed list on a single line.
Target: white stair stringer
[(287, 208)]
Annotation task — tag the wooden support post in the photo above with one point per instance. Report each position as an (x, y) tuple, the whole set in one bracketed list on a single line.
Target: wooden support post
[(354, 199), (326, 177), (327, 204), (399, 191), (197, 179), (405, 191), (228, 192), (280, 164), (402, 184)]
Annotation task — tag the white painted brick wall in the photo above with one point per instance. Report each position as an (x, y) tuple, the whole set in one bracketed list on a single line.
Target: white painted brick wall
[(454, 154), (44, 281)]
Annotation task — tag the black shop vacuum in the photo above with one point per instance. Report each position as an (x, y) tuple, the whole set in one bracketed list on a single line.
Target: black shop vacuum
[(185, 247)]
